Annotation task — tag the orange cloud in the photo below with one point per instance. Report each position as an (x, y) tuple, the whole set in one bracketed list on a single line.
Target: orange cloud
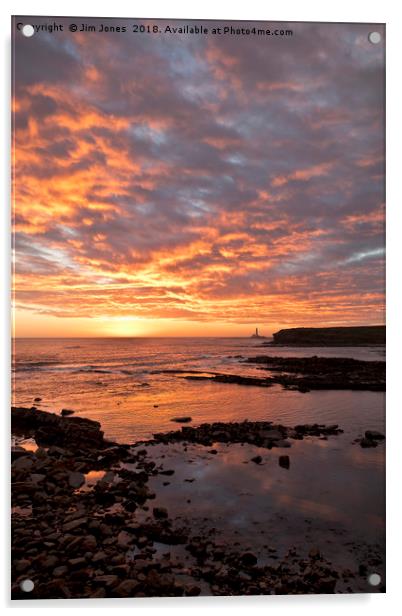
[(157, 186), (303, 175)]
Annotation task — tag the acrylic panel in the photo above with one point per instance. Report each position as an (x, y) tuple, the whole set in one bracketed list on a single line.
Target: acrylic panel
[(199, 330)]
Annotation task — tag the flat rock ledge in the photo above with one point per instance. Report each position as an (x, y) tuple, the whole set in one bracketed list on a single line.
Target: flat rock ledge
[(259, 433), (51, 429), (324, 372), (300, 373)]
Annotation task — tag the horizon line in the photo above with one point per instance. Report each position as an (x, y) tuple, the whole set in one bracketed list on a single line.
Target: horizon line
[(122, 337)]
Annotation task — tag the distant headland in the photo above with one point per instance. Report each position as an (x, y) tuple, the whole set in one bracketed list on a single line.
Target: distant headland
[(330, 336)]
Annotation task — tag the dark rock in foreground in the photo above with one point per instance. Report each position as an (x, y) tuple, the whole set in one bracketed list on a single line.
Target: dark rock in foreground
[(371, 438), (284, 461), (374, 435), (51, 429), (75, 542), (330, 336)]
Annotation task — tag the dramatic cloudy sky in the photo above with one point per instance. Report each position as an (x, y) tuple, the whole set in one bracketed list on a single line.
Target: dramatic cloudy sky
[(169, 185)]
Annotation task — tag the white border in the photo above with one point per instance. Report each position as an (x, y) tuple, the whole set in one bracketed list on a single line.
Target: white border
[(291, 10)]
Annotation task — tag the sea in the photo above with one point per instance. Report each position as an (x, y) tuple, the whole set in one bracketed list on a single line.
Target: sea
[(120, 382), (331, 498)]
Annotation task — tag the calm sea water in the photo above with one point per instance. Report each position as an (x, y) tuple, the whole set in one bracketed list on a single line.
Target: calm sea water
[(333, 495), (116, 382)]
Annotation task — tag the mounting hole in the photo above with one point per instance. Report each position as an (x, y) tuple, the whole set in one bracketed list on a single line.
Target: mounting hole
[(28, 30), (374, 37), (374, 579), (27, 585)]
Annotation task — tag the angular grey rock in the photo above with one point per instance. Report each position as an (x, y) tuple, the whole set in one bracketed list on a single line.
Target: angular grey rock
[(76, 479), (108, 477)]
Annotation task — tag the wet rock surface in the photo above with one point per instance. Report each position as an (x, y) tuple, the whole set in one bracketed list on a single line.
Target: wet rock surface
[(324, 372), (181, 419), (260, 433), (110, 541), (303, 373), (52, 429), (371, 438)]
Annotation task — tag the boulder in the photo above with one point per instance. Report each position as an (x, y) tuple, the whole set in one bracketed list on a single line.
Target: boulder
[(77, 563), (182, 419), (76, 479), (17, 452), (69, 526), (374, 435), (23, 463), (249, 559), (127, 588), (89, 543), (368, 442), (160, 513), (52, 429), (192, 590), (284, 461), (124, 539)]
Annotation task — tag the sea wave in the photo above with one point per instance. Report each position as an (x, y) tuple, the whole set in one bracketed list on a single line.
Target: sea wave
[(33, 365)]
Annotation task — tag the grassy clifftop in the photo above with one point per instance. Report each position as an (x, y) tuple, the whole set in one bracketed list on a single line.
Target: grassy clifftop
[(331, 336)]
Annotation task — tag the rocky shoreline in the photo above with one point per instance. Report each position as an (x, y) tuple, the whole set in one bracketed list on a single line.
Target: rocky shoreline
[(75, 542), (301, 374), (259, 433), (306, 373)]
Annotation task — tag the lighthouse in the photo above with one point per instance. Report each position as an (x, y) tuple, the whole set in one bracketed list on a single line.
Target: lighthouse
[(257, 335)]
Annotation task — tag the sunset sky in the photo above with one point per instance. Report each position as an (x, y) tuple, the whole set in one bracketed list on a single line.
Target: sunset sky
[(197, 185)]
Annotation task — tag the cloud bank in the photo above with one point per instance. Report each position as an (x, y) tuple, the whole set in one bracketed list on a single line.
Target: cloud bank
[(201, 178)]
